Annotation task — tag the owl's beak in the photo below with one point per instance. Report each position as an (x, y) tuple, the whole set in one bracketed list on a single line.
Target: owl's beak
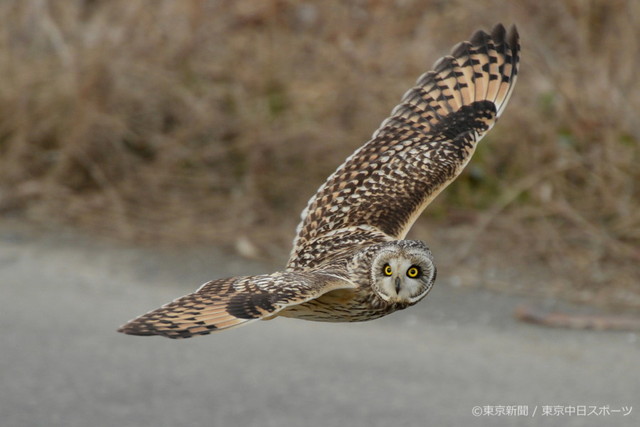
[(397, 285)]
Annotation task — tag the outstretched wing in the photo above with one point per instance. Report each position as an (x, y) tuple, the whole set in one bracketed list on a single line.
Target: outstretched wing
[(382, 188), (225, 303)]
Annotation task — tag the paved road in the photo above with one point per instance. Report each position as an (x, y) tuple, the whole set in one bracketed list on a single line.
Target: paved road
[(63, 364)]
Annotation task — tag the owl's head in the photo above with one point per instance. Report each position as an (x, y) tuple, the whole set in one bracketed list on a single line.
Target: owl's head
[(403, 271)]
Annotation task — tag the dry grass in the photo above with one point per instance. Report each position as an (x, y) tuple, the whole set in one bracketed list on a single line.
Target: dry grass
[(203, 120)]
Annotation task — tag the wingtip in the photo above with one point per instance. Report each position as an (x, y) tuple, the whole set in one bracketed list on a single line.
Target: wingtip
[(479, 38), (513, 38), (128, 331), (459, 49), (499, 34)]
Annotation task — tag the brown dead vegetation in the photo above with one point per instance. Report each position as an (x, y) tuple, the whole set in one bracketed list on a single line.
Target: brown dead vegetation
[(203, 120)]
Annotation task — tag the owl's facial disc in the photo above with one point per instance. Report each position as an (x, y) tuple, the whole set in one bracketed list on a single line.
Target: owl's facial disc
[(403, 275)]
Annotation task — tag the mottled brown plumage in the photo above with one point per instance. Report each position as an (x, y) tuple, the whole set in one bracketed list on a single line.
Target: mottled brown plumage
[(384, 186), (226, 303), (349, 262)]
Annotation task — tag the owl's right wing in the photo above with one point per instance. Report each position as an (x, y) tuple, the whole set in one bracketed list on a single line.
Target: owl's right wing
[(225, 303), (382, 188)]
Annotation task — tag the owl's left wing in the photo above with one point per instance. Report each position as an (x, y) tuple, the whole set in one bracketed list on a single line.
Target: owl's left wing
[(225, 303), (382, 188)]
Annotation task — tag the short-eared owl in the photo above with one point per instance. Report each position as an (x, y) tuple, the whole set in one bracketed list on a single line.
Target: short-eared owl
[(349, 261)]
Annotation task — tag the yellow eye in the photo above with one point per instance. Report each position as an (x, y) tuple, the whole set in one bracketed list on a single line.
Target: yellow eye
[(387, 271), (413, 271)]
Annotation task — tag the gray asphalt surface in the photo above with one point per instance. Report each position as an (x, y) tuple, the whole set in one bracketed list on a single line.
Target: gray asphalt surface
[(63, 364)]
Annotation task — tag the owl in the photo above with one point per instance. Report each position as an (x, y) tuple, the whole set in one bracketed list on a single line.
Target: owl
[(349, 260)]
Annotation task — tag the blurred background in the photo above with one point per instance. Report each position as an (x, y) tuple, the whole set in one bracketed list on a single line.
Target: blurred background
[(213, 122), (149, 146)]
